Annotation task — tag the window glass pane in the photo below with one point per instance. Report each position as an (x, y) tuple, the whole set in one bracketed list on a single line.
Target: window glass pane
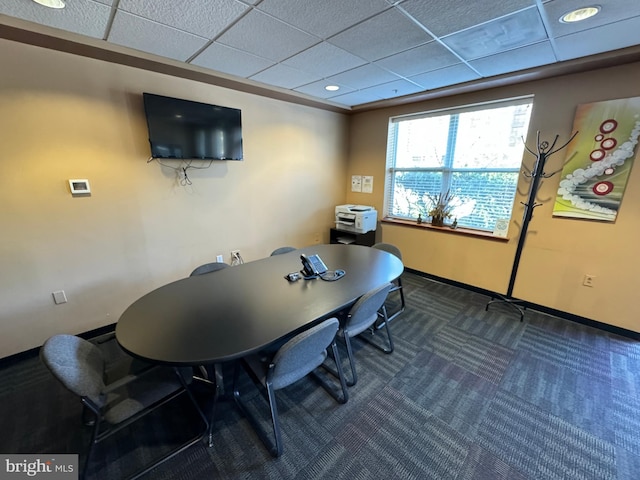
[(491, 138), (422, 143), (411, 190), (483, 197)]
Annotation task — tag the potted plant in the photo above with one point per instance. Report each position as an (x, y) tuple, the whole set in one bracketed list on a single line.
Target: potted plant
[(440, 208)]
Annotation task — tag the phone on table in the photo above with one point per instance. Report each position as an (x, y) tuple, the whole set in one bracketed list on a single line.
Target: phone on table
[(312, 265)]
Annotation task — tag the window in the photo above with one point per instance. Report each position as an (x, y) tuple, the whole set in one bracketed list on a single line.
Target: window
[(473, 154)]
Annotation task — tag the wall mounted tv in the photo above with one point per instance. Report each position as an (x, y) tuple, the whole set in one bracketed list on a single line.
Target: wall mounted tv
[(182, 129)]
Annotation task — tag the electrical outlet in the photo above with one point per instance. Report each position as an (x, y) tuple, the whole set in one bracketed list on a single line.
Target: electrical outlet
[(236, 259), (588, 280), (219, 258)]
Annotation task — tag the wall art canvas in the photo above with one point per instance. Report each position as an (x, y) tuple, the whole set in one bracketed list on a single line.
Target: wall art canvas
[(599, 160)]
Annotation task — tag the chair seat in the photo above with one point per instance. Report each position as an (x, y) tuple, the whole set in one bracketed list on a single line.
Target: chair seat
[(135, 396)]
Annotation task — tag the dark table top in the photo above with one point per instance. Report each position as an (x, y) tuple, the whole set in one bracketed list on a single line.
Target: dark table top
[(239, 310)]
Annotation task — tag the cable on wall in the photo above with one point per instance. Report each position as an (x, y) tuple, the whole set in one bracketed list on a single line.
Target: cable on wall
[(181, 171)]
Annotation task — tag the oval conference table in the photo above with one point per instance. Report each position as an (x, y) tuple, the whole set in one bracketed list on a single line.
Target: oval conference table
[(225, 315)]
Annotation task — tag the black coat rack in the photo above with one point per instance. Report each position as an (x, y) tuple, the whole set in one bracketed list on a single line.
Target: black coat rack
[(542, 153)]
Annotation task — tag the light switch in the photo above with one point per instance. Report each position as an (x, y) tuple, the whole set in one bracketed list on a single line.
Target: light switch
[(59, 297)]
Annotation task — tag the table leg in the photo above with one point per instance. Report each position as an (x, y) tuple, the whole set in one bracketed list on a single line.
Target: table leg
[(218, 393)]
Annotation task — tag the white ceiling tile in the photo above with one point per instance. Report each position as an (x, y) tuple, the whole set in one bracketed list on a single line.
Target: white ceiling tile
[(317, 89), (506, 33), (445, 76), (229, 60), (393, 89), (283, 76), (151, 37), (597, 40), (266, 37), (363, 77), (324, 18), (206, 18), (84, 17), (358, 97), (518, 59), (380, 36), (323, 60), (443, 17), (424, 58)]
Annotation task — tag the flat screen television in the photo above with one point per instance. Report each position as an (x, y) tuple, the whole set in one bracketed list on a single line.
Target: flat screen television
[(183, 129)]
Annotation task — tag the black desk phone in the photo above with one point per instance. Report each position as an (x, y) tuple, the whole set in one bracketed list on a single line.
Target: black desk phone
[(312, 265)]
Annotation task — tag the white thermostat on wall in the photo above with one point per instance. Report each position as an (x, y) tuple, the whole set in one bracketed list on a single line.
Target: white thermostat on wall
[(79, 186)]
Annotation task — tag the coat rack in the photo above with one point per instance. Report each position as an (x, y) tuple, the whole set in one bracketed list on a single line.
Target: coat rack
[(544, 151)]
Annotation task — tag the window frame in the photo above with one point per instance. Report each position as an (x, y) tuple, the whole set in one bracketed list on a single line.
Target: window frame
[(447, 170)]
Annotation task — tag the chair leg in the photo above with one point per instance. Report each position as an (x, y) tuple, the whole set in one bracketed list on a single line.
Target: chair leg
[(343, 381), (274, 420), (94, 440), (352, 363), (400, 290), (338, 373), (385, 322), (275, 449)]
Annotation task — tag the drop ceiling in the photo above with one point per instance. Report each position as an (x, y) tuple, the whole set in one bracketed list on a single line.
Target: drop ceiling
[(373, 50)]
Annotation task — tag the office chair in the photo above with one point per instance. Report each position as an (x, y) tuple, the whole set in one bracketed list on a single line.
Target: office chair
[(209, 268), (80, 366), (363, 316), (397, 283), (281, 250), (297, 358)]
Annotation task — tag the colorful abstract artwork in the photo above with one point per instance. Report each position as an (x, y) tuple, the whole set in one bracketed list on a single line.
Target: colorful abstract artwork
[(599, 160)]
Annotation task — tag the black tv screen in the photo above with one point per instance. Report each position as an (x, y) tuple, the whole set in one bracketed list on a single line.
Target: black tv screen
[(183, 129)]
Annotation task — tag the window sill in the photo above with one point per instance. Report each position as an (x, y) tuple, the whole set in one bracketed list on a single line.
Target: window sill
[(445, 229)]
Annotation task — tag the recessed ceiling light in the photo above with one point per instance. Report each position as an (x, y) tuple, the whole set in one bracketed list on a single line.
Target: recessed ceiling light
[(579, 14), (332, 88), (51, 3)]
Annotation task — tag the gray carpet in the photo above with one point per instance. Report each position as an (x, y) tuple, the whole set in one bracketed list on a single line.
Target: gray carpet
[(467, 394)]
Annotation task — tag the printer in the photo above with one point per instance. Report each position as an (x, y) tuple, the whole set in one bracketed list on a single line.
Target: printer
[(356, 218)]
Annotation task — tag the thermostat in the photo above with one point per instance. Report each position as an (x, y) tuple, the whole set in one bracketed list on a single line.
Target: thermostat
[(79, 186)]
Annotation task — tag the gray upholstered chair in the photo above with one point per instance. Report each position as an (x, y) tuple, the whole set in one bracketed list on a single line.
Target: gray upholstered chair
[(397, 284), (363, 316), (295, 359), (80, 366), (281, 250), (209, 268)]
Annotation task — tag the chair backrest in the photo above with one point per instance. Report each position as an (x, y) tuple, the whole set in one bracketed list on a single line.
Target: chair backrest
[(281, 250), (365, 311), (209, 268), (76, 363), (303, 353), (387, 247)]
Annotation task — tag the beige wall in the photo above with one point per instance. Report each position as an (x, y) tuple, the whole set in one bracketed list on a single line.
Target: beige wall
[(558, 252), (64, 116)]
